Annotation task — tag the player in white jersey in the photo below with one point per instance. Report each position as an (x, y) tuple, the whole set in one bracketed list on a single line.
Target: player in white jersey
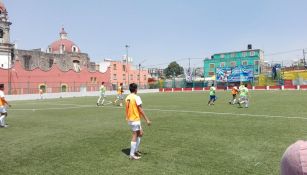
[(102, 94), (3, 105), (244, 96)]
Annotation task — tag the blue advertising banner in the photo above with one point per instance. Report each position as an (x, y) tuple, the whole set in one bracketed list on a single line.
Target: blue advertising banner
[(234, 74)]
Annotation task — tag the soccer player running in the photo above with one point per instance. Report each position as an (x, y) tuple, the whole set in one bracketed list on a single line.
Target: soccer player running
[(102, 96), (244, 96), (120, 96), (134, 113), (234, 92), (212, 95), (3, 104)]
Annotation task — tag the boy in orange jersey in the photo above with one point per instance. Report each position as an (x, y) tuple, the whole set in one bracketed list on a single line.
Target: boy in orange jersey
[(120, 96), (234, 92), (134, 112), (3, 103)]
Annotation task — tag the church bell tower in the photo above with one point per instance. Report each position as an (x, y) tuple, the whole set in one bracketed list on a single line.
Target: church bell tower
[(6, 48)]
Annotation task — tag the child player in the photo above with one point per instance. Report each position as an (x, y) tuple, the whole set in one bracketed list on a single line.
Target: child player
[(102, 95), (244, 96), (3, 104), (234, 92), (120, 96), (212, 95), (134, 113)]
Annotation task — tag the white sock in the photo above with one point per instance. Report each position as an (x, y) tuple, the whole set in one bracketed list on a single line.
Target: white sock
[(2, 122), (138, 141), (132, 149), (102, 101)]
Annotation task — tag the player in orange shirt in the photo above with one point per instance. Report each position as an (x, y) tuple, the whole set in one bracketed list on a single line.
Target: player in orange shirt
[(134, 113), (3, 104), (234, 92), (120, 96)]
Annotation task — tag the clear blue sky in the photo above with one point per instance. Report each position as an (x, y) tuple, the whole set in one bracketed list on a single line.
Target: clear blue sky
[(160, 31)]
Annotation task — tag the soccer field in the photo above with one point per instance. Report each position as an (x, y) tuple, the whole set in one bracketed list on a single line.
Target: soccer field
[(74, 136)]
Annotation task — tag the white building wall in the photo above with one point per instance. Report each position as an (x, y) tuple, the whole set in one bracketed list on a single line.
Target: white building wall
[(5, 60)]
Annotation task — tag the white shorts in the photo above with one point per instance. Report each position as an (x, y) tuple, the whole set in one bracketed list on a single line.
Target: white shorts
[(2, 109), (243, 98), (135, 125), (102, 95)]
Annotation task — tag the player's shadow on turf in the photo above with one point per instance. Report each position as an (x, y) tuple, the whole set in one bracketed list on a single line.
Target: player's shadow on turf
[(126, 151)]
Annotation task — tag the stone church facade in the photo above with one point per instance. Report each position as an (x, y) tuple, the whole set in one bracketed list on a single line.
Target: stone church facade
[(61, 68)]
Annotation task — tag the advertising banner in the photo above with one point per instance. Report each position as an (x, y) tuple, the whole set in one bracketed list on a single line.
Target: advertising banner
[(234, 74)]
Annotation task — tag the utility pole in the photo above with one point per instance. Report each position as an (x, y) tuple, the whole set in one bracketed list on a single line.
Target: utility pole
[(304, 59), (140, 75), (190, 75), (140, 72), (127, 58)]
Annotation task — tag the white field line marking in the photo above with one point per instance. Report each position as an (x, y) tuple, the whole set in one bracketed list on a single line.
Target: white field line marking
[(73, 106), (76, 106), (225, 113), (108, 102), (63, 108)]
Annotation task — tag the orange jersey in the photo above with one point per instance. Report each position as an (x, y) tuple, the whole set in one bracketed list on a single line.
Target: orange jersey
[(234, 90), (120, 90), (132, 109), (2, 100)]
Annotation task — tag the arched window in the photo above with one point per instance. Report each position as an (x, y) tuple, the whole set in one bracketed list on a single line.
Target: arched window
[(76, 64), (62, 50), (43, 87), (64, 88), (50, 63), (74, 49), (1, 33)]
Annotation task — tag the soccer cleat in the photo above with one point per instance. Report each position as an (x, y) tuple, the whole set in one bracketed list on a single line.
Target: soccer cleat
[(97, 104), (138, 154), (134, 157)]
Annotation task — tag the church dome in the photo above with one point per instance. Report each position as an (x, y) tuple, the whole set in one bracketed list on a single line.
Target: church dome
[(63, 45)]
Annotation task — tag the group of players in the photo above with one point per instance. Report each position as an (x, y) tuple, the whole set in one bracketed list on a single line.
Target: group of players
[(102, 95), (134, 110), (290, 163), (242, 99)]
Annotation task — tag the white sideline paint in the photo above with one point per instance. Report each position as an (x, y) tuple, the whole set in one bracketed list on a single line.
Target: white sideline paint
[(70, 94), (222, 113), (77, 106)]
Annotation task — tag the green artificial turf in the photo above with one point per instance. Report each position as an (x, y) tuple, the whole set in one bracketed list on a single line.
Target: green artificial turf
[(74, 136)]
